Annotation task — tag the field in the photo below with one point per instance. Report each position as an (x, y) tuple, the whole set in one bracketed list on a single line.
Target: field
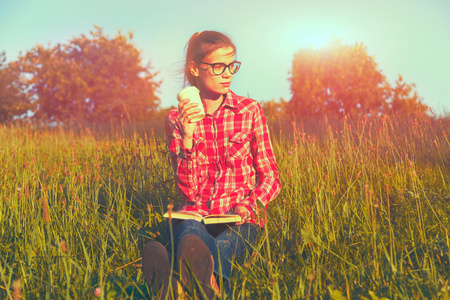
[(364, 212)]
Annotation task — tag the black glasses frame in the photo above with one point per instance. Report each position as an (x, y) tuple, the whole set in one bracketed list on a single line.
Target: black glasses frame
[(225, 67)]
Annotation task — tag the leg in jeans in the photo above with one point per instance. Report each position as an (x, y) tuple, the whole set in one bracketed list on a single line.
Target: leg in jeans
[(233, 243), (181, 228), (194, 247), (230, 241)]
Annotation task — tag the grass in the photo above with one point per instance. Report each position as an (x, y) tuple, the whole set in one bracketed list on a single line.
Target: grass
[(363, 212)]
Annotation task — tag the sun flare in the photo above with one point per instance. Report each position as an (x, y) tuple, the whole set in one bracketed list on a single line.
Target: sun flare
[(315, 38)]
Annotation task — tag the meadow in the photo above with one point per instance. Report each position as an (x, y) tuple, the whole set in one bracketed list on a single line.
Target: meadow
[(364, 212)]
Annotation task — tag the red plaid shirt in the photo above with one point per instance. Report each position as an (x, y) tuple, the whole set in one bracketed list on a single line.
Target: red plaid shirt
[(231, 162)]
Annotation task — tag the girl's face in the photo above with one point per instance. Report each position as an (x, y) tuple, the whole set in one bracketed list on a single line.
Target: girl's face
[(212, 86)]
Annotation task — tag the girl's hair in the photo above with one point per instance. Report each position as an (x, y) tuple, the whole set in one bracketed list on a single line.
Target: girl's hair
[(201, 44)]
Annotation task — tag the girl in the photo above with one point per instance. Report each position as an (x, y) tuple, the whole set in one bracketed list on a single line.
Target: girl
[(223, 164)]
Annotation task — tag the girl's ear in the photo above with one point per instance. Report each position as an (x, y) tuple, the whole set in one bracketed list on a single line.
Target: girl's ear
[(194, 69)]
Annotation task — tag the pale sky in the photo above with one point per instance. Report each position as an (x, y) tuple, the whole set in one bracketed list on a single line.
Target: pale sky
[(407, 37)]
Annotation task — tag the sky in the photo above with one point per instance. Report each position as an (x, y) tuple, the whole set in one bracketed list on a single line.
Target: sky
[(406, 37)]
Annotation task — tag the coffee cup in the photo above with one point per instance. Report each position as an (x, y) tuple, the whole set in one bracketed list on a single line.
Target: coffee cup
[(193, 94)]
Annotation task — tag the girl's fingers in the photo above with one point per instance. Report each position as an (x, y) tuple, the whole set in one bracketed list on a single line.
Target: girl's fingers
[(186, 116), (242, 222), (187, 111), (245, 216), (185, 104)]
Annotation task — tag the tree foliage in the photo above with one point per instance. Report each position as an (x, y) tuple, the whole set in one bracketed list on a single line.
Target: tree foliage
[(404, 99), (90, 79), (341, 79), (13, 101)]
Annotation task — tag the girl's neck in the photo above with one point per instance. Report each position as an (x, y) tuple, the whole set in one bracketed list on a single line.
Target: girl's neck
[(211, 101)]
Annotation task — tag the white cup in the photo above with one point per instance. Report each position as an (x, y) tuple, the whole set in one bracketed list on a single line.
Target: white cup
[(193, 94)]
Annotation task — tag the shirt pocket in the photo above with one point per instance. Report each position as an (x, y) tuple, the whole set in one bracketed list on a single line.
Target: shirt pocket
[(240, 145)]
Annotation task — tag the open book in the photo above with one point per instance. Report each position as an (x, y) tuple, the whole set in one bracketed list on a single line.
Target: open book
[(210, 219)]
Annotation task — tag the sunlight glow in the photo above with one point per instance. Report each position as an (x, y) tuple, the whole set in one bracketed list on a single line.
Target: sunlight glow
[(315, 38)]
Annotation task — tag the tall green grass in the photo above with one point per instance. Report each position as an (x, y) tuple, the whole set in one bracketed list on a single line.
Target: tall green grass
[(363, 212)]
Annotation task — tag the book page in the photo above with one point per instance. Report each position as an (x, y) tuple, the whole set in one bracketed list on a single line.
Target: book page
[(210, 219), (184, 216), (215, 219)]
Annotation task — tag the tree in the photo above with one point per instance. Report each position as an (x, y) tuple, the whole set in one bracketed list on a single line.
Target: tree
[(404, 99), (91, 79), (274, 109), (13, 101), (341, 79)]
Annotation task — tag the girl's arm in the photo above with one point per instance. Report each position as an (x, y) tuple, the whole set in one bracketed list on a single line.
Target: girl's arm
[(268, 182), (184, 160)]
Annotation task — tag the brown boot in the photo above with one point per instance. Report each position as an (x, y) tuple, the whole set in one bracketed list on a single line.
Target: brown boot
[(195, 259), (156, 269)]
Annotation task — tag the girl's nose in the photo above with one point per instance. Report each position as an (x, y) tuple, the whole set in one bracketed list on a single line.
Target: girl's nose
[(227, 73)]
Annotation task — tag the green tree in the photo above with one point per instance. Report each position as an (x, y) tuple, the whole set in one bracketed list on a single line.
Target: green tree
[(341, 79), (90, 79), (13, 101)]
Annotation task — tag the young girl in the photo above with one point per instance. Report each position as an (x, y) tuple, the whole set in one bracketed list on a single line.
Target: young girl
[(223, 164)]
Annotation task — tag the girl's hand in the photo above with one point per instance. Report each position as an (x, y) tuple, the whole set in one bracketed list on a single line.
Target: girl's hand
[(186, 111), (244, 212)]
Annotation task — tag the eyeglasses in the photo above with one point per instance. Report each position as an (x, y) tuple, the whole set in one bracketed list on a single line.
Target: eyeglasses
[(219, 68)]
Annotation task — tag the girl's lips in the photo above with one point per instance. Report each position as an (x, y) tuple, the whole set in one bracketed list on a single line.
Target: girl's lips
[(226, 84)]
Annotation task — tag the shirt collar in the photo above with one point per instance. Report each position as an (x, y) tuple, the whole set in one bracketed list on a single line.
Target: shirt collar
[(232, 101)]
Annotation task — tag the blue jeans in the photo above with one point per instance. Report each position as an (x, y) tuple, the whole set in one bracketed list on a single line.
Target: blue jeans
[(225, 241)]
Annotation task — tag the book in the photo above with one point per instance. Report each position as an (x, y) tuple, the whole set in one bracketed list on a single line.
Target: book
[(210, 219)]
